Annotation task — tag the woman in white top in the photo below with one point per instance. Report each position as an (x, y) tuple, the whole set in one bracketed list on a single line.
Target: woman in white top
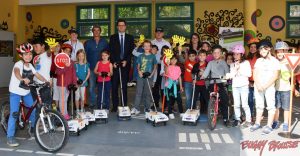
[(240, 71)]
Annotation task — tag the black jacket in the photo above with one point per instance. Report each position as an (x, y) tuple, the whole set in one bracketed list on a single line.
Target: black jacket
[(115, 48)]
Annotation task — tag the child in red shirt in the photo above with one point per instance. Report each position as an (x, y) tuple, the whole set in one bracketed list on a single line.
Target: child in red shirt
[(104, 70), (69, 76), (187, 77), (200, 87)]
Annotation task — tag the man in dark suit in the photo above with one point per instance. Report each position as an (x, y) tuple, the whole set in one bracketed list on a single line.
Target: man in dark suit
[(121, 46)]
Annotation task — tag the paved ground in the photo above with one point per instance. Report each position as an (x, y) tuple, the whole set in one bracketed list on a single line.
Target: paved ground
[(136, 138)]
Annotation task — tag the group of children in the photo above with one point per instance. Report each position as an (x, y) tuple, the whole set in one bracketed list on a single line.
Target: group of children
[(259, 75), (251, 80)]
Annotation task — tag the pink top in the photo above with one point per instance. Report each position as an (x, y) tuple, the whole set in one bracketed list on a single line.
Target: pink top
[(103, 68), (209, 58)]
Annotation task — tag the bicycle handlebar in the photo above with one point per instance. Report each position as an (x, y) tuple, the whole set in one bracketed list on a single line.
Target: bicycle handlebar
[(39, 85), (219, 78)]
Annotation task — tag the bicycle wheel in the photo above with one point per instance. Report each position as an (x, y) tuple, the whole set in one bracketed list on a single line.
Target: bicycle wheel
[(5, 112), (57, 137), (212, 114)]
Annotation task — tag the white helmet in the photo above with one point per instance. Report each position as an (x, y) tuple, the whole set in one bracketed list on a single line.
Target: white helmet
[(281, 45)]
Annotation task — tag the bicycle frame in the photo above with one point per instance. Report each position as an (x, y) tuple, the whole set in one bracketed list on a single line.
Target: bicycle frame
[(25, 116), (215, 94)]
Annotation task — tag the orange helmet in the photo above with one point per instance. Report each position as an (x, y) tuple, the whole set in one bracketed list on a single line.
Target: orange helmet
[(253, 41)]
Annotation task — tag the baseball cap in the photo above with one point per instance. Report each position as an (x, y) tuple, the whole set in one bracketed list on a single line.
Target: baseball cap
[(72, 30), (265, 42), (159, 29)]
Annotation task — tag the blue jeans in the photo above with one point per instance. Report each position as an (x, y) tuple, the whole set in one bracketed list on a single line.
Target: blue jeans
[(106, 94), (188, 88), (92, 89), (14, 111), (283, 100), (240, 96), (251, 100)]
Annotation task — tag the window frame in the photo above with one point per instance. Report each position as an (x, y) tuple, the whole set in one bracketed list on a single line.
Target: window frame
[(136, 21), (176, 20), (86, 22)]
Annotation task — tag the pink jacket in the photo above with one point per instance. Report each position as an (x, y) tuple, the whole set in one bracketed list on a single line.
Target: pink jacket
[(69, 74)]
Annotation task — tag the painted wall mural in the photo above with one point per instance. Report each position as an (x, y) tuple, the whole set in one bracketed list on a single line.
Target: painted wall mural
[(44, 32), (208, 27), (277, 23)]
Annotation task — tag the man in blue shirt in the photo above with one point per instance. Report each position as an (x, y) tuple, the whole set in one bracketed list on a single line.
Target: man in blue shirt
[(93, 48)]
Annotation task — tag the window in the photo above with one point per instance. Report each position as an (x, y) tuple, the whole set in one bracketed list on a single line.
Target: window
[(175, 18), (293, 18), (87, 16), (138, 18)]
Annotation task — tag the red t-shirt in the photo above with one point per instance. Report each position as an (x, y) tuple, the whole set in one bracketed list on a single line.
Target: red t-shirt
[(188, 65), (201, 82), (252, 63), (103, 68)]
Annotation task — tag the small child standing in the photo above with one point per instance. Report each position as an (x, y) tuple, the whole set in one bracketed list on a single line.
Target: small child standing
[(156, 79), (104, 70), (173, 75), (83, 74), (216, 69), (266, 71), (69, 76), (200, 87), (283, 87), (146, 66), (188, 86), (240, 71)]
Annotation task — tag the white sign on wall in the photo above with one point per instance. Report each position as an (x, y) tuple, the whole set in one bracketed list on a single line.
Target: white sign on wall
[(228, 37)]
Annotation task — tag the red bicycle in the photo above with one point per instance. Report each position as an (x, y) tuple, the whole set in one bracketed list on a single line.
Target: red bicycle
[(213, 105), (50, 128)]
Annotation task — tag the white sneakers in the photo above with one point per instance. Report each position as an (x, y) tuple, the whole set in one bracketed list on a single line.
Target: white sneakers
[(171, 116), (134, 111), (181, 115), (107, 111)]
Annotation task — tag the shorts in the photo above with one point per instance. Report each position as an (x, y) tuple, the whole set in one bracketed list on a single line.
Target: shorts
[(79, 94), (283, 100)]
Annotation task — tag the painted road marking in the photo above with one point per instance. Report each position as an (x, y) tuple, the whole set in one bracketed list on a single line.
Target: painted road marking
[(42, 152), (24, 151), (190, 148), (204, 138), (227, 138), (193, 137), (64, 154), (216, 138), (202, 130), (6, 149), (182, 137), (19, 138), (207, 146)]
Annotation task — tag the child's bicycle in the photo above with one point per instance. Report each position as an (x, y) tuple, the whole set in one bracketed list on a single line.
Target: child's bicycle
[(213, 105), (50, 128)]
